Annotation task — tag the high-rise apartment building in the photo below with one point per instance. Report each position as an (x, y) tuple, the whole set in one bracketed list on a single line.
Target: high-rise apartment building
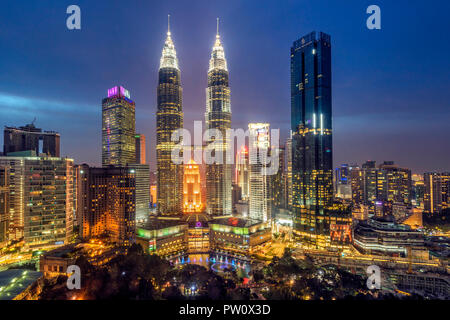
[(142, 194), (311, 125), (118, 128), (260, 200), (437, 192), (385, 183), (218, 116), (4, 207), (169, 118), (106, 203), (394, 183), (278, 185), (30, 138), (370, 182), (288, 149), (418, 190), (357, 184), (40, 199), (342, 183)]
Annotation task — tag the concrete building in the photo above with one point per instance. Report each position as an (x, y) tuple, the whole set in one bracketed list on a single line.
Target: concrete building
[(41, 199), (382, 236), (107, 201), (30, 138)]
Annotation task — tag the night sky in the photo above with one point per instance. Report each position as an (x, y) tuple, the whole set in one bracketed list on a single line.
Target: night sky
[(391, 87)]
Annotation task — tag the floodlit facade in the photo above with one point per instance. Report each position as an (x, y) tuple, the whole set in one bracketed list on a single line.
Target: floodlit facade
[(242, 172), (169, 118), (260, 183), (311, 125), (192, 195), (218, 116), (118, 128)]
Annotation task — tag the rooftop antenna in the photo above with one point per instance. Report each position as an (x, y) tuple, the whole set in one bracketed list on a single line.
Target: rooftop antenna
[(168, 24), (34, 120), (217, 27)]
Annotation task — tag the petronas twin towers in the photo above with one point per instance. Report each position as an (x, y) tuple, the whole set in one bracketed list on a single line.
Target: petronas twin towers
[(169, 118)]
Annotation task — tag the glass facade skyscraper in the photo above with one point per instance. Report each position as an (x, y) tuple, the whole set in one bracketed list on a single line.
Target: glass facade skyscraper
[(311, 125), (169, 118), (218, 116), (260, 204), (118, 128)]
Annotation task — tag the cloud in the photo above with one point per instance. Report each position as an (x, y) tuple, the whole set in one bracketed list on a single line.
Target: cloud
[(29, 107)]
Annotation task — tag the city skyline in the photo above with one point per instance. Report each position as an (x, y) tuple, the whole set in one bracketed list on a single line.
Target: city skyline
[(378, 80), (167, 214)]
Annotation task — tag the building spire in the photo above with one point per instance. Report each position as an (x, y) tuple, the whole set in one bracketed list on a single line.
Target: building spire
[(168, 24), (217, 35), (217, 60), (169, 54)]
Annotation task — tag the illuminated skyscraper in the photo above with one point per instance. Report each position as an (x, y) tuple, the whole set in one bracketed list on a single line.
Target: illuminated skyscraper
[(278, 186), (142, 197), (140, 148), (437, 192), (4, 207), (192, 195), (218, 116), (260, 183), (118, 128), (288, 149), (169, 118), (106, 203), (41, 199), (312, 172), (242, 172)]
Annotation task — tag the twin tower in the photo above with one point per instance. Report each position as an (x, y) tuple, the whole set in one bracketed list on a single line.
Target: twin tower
[(169, 117)]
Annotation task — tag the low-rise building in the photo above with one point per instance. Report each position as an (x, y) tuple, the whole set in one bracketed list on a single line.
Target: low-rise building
[(197, 233), (435, 285), (163, 236), (382, 236)]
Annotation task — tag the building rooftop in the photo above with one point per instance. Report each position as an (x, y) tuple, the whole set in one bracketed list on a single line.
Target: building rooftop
[(156, 223), (15, 281), (236, 222)]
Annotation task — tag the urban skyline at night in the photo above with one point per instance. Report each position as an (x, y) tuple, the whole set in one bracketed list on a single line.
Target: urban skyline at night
[(373, 73), (221, 152)]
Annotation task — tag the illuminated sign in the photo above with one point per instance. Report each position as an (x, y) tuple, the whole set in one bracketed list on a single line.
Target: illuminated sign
[(114, 91), (124, 92)]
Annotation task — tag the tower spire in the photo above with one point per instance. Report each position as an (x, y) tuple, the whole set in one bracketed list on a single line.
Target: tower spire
[(168, 24), (217, 35), (217, 60), (169, 55)]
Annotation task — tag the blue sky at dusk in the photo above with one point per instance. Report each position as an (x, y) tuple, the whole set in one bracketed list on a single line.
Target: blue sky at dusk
[(391, 87)]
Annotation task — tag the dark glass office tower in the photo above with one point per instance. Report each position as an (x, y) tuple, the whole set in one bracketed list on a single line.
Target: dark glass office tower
[(30, 138), (169, 117), (218, 116), (311, 125)]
